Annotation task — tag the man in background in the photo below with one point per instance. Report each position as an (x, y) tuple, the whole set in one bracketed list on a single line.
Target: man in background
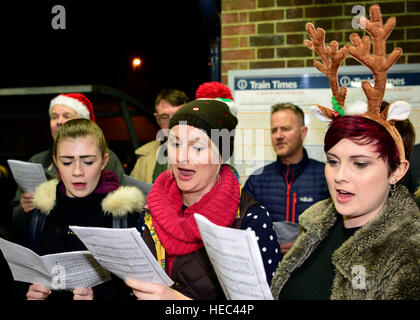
[(292, 183), (147, 167), (63, 108)]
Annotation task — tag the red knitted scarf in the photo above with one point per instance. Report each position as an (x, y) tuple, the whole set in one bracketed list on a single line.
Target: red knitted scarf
[(177, 230)]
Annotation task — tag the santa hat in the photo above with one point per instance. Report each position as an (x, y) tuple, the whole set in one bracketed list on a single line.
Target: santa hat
[(217, 91), (76, 101)]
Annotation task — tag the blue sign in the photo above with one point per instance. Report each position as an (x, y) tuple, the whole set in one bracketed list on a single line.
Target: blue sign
[(319, 81)]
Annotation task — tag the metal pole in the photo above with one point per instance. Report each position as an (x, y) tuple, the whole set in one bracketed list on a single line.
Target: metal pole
[(215, 74), (127, 118)]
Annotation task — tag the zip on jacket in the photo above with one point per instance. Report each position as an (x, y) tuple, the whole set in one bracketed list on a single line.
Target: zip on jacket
[(294, 201)]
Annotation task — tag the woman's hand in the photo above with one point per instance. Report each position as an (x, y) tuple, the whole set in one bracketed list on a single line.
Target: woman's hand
[(37, 292), (26, 201), (83, 294), (151, 291)]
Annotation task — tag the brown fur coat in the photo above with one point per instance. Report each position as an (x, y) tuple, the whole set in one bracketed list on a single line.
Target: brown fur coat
[(380, 261)]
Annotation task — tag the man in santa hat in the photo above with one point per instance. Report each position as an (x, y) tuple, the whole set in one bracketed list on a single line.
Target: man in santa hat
[(63, 108)]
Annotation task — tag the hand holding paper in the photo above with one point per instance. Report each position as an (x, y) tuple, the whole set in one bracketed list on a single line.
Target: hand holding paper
[(60, 271), (236, 259), (123, 252)]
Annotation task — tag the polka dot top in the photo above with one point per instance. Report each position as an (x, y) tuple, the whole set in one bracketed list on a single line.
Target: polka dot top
[(258, 219)]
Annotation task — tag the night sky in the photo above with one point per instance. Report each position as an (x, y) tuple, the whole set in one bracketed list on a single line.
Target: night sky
[(97, 47), (100, 39)]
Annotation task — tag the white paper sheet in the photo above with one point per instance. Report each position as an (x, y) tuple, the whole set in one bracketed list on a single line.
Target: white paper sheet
[(236, 259), (123, 252), (27, 175), (60, 271)]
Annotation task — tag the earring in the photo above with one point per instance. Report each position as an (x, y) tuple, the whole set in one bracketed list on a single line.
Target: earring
[(392, 187)]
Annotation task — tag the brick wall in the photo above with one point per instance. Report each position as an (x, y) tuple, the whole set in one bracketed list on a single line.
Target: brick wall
[(270, 33)]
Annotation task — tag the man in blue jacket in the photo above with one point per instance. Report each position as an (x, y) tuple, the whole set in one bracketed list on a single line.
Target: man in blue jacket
[(292, 183)]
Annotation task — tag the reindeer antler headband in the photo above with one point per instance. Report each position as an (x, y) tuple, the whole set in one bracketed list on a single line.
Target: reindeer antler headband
[(378, 63)]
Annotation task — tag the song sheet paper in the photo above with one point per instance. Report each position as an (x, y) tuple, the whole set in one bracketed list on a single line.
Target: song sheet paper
[(59, 271), (123, 252), (27, 175), (236, 259)]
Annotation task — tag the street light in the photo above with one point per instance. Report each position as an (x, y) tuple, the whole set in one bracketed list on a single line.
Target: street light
[(136, 62)]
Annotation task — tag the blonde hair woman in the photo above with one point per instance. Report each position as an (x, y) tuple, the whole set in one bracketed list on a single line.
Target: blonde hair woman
[(85, 195)]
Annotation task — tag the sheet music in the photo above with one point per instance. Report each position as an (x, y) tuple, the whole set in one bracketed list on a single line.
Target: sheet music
[(25, 264), (60, 271), (27, 175), (236, 259), (122, 252), (76, 269)]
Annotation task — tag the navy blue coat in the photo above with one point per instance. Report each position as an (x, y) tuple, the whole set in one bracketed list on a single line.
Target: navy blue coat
[(288, 190)]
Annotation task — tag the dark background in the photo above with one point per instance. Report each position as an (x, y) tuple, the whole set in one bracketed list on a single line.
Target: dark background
[(97, 47), (100, 39)]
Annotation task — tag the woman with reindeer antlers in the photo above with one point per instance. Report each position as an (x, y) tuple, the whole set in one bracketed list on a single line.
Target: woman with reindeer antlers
[(364, 242)]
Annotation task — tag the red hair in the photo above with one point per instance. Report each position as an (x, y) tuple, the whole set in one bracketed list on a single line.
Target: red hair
[(363, 131)]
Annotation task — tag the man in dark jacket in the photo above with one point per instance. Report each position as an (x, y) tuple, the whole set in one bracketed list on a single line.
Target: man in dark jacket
[(292, 183)]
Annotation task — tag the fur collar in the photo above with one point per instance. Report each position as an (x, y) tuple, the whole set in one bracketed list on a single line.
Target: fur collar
[(390, 235), (389, 240), (118, 203), (124, 200), (44, 196), (314, 224)]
